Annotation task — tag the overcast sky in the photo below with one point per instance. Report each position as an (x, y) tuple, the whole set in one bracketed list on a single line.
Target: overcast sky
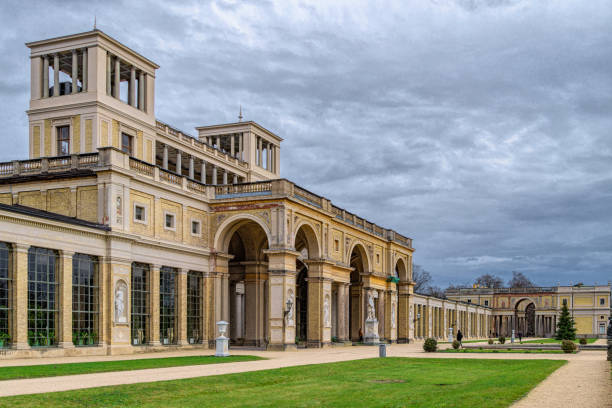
[(481, 129)]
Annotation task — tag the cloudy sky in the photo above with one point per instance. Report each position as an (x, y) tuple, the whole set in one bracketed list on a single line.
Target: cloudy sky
[(480, 128)]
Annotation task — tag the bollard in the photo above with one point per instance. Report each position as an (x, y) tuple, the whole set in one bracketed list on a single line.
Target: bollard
[(382, 350)]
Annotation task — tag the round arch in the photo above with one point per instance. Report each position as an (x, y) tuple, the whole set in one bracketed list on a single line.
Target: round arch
[(312, 241), (365, 259), (402, 270), (521, 305), (228, 227)]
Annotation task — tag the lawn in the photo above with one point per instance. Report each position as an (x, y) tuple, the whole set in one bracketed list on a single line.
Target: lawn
[(376, 382), (51, 370), (547, 341), (535, 351)]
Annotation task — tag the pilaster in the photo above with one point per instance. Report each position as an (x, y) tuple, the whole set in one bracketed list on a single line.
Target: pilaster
[(281, 280), (154, 306), (20, 296), (65, 298), (181, 310)]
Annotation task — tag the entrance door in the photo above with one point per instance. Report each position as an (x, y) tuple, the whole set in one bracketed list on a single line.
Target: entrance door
[(301, 303)]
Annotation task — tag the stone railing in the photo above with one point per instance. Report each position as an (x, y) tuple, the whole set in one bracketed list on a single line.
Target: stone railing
[(185, 138), (245, 189), (48, 165), (169, 177), (307, 196), (142, 167)]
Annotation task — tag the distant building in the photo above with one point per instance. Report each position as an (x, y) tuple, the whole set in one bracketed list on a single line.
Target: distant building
[(534, 311)]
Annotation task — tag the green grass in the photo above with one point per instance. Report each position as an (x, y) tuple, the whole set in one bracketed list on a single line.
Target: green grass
[(548, 341), (52, 370), (360, 383), (535, 351)]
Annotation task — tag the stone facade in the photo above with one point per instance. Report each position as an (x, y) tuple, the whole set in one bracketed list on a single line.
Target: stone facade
[(534, 311)]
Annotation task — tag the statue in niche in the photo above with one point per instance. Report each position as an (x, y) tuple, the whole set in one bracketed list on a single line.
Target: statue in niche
[(326, 314), (393, 307), (371, 308), (120, 299), (290, 314)]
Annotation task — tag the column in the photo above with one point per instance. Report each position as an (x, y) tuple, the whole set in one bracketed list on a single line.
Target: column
[(181, 310), (117, 84), (343, 312), (20, 297), (141, 90), (75, 71), (154, 305), (179, 162), (224, 176), (65, 300), (259, 147), (46, 76), (84, 83), (191, 168), (132, 87), (269, 152), (235, 179), (165, 158), (214, 174), (203, 173), (281, 279), (233, 145), (109, 87), (56, 89), (240, 156), (218, 142)]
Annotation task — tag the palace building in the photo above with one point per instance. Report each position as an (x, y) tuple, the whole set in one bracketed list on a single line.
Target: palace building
[(123, 234)]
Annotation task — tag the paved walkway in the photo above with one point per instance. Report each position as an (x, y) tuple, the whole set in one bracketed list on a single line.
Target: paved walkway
[(584, 382)]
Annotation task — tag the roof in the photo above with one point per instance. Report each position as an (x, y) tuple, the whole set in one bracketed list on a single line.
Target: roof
[(34, 212), (94, 32), (248, 122)]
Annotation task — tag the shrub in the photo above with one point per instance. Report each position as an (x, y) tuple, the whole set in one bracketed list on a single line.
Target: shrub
[(430, 345), (583, 341), (491, 341), (568, 346), (565, 328), (456, 344), (502, 339)]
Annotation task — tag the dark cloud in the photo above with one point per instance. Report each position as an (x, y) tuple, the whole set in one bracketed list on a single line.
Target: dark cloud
[(481, 128)]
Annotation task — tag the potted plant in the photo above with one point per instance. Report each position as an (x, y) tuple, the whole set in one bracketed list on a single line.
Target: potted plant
[(32, 339), (5, 339), (51, 338), (83, 338), (75, 338), (93, 338)]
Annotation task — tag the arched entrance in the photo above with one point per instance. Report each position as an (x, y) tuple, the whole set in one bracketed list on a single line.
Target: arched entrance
[(524, 316), (306, 244), (247, 296), (301, 306), (530, 319), (359, 264)]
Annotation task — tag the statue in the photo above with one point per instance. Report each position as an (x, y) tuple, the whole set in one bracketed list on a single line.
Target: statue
[(326, 317), (291, 297), (371, 308), (393, 307), (120, 297)]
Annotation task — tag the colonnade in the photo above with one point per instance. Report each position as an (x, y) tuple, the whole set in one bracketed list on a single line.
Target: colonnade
[(199, 167), (233, 144), (54, 59), (136, 87), (266, 155), (434, 321), (544, 325)]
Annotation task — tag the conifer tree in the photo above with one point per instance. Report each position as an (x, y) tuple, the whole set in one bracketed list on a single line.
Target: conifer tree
[(565, 327)]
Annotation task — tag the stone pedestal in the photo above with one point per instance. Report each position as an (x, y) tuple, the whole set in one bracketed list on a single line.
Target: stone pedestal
[(371, 332), (222, 347), (512, 338), (450, 334)]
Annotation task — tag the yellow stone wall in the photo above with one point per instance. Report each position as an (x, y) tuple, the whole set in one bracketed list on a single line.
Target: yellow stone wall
[(115, 135), (87, 203), (172, 207), (76, 134), (336, 252), (58, 201), (30, 199), (88, 135), (104, 133), (138, 147), (48, 137), (583, 301), (196, 215), (35, 142), (6, 198), (584, 325), (148, 201), (149, 150)]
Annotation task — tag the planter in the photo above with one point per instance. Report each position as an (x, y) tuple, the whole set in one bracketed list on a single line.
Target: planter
[(165, 342), (191, 340), (135, 342), (80, 342)]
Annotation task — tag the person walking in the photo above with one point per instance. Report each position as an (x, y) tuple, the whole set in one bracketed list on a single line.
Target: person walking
[(520, 337), (460, 337)]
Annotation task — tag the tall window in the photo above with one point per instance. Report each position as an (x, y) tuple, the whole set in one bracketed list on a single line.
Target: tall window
[(140, 303), (84, 300), (5, 294), (42, 297), (126, 143), (194, 307), (63, 140), (167, 308)]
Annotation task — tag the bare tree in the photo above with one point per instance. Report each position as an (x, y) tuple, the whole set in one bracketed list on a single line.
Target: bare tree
[(436, 291), (489, 281), (421, 278), (520, 281)]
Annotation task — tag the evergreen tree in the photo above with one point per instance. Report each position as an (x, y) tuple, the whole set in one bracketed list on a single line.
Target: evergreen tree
[(565, 327)]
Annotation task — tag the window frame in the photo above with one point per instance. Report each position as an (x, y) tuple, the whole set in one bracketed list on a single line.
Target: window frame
[(6, 289), (194, 311), (140, 293), (168, 318), (130, 138), (199, 224), (40, 288), (173, 215), (145, 211), (58, 141), (88, 294)]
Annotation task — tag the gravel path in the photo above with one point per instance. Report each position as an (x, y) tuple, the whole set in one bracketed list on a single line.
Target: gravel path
[(584, 382)]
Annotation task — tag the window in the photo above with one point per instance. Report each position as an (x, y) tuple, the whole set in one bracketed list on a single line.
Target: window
[(602, 328), (486, 303), (195, 228), (602, 301), (42, 297), (169, 218), (194, 307), (84, 300), (167, 308), (564, 302), (336, 245), (63, 140), (140, 300), (377, 258), (126, 143), (140, 213), (469, 300), (5, 294)]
